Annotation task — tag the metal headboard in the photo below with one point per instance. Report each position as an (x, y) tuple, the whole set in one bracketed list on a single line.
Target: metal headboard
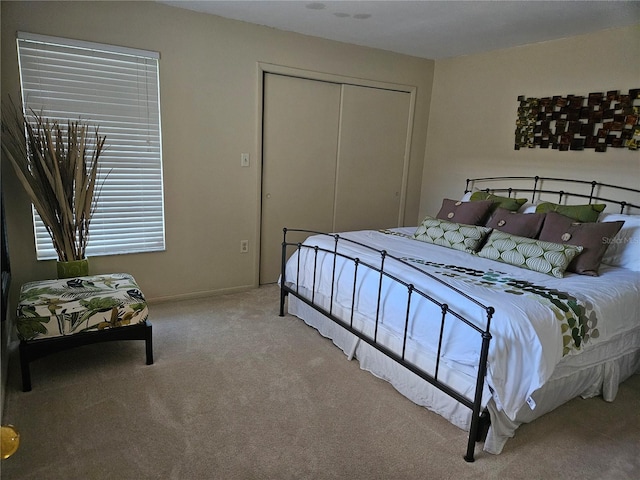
[(591, 192)]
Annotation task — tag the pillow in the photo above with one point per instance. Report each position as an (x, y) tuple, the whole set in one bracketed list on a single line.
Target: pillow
[(466, 197), (544, 257), (509, 203), (580, 213), (469, 213), (624, 249), (521, 224), (467, 238), (593, 237), (529, 208)]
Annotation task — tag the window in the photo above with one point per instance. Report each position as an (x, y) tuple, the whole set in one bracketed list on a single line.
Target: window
[(116, 89)]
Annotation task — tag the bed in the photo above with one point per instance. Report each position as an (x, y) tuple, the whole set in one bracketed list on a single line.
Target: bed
[(507, 303)]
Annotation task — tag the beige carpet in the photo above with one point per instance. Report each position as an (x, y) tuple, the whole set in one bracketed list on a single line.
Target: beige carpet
[(237, 392)]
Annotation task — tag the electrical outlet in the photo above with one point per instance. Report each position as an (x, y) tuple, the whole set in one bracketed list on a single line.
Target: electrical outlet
[(244, 246)]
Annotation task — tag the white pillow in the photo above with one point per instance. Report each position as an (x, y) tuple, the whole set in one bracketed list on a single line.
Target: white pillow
[(624, 249), (466, 197), (528, 208)]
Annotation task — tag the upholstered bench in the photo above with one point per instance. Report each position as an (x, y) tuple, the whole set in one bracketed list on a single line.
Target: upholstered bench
[(54, 315)]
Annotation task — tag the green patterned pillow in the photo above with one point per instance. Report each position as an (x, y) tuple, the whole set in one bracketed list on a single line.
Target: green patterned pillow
[(458, 236), (537, 255), (580, 213), (512, 204)]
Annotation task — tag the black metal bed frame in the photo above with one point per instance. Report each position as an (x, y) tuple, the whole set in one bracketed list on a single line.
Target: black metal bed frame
[(479, 419), (593, 188)]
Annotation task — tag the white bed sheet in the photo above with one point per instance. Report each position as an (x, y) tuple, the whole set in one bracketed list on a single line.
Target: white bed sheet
[(527, 338)]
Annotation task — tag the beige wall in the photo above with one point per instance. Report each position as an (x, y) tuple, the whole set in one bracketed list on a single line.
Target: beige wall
[(210, 114), (473, 112)]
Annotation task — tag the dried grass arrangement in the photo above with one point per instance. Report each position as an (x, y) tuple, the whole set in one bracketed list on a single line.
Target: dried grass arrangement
[(58, 168)]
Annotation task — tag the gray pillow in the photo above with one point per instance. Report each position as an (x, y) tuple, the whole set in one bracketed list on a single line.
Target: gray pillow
[(521, 224), (593, 237), (469, 213)]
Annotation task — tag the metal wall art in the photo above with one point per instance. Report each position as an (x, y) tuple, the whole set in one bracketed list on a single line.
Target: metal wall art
[(598, 120)]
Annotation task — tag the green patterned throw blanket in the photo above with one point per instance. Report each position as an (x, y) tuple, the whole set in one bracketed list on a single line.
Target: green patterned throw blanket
[(578, 320)]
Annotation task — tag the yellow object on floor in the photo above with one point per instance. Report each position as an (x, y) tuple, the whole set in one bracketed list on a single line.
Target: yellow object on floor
[(10, 441)]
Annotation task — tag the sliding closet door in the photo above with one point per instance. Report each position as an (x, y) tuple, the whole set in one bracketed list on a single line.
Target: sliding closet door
[(300, 135), (371, 158)]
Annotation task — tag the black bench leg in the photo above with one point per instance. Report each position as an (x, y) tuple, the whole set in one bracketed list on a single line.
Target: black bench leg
[(148, 341), (24, 367)]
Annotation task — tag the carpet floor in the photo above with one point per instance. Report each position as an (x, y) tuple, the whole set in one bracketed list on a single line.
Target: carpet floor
[(237, 392)]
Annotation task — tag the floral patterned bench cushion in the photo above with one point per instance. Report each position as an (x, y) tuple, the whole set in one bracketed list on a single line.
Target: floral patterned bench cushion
[(53, 308)]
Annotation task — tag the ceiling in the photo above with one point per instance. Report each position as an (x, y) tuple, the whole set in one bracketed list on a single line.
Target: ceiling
[(427, 28)]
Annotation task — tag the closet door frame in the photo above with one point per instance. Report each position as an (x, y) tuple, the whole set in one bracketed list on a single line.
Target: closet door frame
[(266, 68)]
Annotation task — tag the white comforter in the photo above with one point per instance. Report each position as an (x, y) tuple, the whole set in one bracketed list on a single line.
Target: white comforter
[(528, 325)]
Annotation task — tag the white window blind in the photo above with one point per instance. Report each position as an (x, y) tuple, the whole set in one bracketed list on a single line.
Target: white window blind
[(117, 90)]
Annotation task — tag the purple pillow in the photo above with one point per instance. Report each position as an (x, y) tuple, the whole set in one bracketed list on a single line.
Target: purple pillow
[(594, 237), (521, 224), (469, 213)]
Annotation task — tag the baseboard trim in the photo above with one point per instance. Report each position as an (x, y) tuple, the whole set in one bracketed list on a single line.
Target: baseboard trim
[(201, 294)]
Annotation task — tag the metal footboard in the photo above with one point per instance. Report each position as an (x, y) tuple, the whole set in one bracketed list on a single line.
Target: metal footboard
[(448, 313)]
